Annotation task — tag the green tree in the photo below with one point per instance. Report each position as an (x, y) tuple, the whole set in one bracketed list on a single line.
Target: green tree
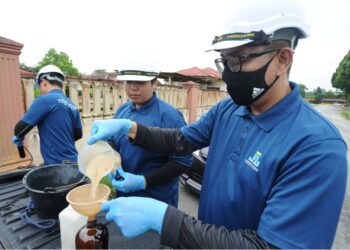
[(341, 77), (329, 94), (309, 95), (302, 89), (339, 94), (61, 60), (318, 95)]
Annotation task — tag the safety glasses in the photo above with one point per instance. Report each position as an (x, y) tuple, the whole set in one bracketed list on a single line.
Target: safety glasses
[(234, 62)]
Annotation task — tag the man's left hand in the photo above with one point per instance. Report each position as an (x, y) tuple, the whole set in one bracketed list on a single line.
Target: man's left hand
[(129, 182), (17, 140), (135, 215)]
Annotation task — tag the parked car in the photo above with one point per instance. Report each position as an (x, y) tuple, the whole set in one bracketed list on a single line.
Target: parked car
[(337, 104), (193, 179)]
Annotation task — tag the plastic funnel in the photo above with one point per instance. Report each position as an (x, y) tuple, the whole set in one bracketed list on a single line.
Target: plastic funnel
[(80, 200)]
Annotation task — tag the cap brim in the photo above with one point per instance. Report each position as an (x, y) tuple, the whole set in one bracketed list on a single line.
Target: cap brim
[(228, 45), (135, 78)]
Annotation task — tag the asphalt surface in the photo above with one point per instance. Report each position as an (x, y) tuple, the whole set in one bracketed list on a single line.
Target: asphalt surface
[(188, 201), (342, 239)]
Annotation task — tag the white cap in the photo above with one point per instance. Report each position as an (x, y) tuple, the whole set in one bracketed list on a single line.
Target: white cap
[(138, 72), (259, 21), (136, 75)]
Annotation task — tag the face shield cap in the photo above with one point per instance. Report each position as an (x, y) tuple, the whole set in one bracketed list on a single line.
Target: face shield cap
[(266, 17), (138, 71), (136, 75)]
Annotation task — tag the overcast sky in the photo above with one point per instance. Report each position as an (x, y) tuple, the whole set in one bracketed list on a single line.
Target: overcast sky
[(106, 34)]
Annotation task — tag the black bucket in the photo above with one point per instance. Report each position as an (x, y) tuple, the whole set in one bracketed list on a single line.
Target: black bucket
[(49, 185)]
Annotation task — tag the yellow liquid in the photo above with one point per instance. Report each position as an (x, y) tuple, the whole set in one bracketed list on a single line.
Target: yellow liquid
[(99, 167)]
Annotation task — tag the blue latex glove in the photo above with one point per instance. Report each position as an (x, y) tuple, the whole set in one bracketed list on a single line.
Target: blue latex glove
[(104, 129), (129, 182), (17, 140), (135, 215)]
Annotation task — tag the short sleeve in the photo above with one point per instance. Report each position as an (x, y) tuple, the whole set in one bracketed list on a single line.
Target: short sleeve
[(36, 112), (199, 133), (178, 121)]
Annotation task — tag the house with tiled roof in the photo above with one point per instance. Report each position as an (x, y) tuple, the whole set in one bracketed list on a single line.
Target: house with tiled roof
[(208, 78), (211, 77)]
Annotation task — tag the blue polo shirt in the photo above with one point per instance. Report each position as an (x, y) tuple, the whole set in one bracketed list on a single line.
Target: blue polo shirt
[(282, 173), (155, 113), (56, 117)]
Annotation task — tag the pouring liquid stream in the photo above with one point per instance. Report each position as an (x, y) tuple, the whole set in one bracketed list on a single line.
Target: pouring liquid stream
[(99, 167)]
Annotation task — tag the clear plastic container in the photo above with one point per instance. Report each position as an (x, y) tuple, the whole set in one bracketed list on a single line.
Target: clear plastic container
[(90, 154), (96, 161)]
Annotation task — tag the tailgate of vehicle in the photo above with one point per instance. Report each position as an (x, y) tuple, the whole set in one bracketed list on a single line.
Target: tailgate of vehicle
[(14, 232)]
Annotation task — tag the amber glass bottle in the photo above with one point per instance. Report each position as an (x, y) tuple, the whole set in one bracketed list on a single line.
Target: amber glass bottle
[(92, 236)]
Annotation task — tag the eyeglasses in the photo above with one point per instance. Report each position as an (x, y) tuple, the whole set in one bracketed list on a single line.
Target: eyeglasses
[(234, 62)]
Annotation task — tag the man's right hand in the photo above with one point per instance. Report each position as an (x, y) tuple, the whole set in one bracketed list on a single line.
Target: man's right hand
[(17, 140), (104, 129)]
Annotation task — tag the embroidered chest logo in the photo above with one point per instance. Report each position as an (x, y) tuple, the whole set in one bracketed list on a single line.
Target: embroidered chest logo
[(253, 161), (257, 91)]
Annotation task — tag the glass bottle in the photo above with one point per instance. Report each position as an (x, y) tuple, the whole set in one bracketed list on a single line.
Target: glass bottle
[(92, 236)]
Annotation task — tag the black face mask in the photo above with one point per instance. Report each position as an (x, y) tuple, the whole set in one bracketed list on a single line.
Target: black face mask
[(247, 87)]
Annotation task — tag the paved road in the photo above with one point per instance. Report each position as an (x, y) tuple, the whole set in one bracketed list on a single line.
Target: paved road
[(188, 202), (342, 240)]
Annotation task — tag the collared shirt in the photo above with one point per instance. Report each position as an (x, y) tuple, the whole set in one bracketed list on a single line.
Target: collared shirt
[(282, 173), (155, 113), (56, 117)]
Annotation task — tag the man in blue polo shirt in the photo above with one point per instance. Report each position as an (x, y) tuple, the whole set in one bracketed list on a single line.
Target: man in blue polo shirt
[(276, 169), (145, 173), (56, 116)]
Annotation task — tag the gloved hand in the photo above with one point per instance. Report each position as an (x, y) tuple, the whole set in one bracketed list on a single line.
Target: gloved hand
[(129, 182), (104, 129), (135, 215), (17, 140)]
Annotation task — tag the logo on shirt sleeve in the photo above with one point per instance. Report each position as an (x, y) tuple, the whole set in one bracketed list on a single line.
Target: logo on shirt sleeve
[(253, 161)]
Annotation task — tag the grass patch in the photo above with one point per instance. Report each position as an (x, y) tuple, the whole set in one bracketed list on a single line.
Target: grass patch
[(105, 180), (346, 114)]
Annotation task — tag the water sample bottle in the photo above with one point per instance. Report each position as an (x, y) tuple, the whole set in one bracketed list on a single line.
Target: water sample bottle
[(92, 236)]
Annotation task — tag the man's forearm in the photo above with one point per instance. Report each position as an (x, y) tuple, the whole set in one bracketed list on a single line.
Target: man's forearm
[(161, 140), (167, 172), (78, 133), (182, 231), (133, 130), (22, 128)]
